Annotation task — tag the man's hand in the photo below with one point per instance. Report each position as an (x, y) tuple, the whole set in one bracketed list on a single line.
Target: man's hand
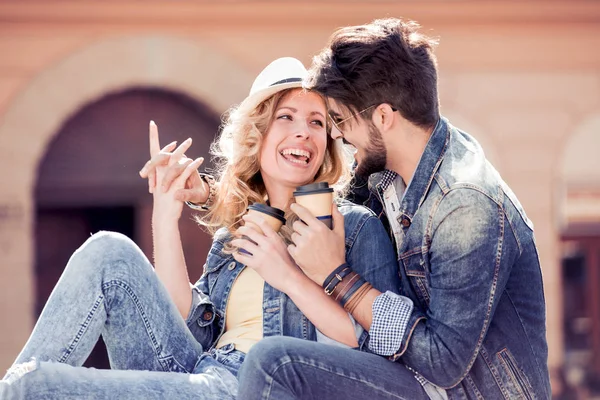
[(317, 250), (195, 190)]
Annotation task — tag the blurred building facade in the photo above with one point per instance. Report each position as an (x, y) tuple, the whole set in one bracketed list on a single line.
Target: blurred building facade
[(79, 82)]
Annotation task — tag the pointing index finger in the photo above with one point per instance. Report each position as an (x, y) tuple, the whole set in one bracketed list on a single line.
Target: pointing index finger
[(154, 142)]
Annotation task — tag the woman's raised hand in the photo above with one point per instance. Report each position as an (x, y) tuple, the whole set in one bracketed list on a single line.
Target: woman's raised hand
[(166, 202), (194, 190)]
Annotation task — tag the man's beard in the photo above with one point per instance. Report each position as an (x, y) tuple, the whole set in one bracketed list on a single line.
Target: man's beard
[(375, 154)]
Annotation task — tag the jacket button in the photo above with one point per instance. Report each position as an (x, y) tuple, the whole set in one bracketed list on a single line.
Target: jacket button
[(231, 266), (207, 316), (405, 222)]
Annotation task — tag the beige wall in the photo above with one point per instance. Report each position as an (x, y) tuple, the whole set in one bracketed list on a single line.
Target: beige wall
[(523, 79)]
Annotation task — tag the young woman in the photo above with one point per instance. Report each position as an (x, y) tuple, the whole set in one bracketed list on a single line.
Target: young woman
[(168, 339)]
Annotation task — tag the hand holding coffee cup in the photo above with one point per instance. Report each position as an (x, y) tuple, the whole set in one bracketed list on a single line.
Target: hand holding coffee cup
[(273, 216), (316, 198)]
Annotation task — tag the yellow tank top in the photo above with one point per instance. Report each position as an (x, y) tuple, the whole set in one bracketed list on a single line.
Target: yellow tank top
[(243, 316)]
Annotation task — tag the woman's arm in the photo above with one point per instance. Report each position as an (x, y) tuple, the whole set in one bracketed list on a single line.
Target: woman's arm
[(169, 260), (319, 251), (327, 315)]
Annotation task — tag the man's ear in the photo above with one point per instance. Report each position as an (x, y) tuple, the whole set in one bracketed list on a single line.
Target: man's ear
[(383, 117)]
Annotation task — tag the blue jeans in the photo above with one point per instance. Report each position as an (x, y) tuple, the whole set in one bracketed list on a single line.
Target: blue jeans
[(109, 288), (281, 368)]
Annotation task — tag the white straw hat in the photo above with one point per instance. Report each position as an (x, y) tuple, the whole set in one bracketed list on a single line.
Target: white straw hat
[(283, 73)]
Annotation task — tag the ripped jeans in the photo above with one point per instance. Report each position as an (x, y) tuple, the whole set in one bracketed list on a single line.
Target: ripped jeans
[(109, 288)]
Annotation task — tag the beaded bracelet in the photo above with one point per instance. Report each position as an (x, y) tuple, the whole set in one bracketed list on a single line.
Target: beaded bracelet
[(212, 193)]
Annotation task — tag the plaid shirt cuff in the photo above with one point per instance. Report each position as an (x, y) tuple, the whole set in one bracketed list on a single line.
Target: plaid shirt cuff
[(391, 313)]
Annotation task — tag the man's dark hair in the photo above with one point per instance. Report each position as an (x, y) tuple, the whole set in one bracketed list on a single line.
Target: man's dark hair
[(386, 61)]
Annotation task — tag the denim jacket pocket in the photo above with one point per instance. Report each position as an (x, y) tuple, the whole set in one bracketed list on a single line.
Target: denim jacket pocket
[(414, 267), (516, 384), (215, 261), (201, 310)]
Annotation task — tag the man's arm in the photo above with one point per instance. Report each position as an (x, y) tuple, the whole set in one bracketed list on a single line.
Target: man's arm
[(469, 260)]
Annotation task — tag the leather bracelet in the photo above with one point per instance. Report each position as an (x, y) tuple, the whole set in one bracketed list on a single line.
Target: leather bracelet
[(351, 291), (212, 193), (356, 298), (333, 273), (335, 277), (347, 283)]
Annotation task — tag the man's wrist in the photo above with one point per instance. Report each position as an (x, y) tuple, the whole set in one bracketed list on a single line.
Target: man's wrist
[(335, 277), (325, 272), (346, 287)]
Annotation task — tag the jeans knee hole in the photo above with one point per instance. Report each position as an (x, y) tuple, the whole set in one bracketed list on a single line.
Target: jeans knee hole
[(19, 370)]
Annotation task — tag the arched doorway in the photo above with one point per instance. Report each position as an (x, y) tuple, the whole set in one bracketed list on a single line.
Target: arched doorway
[(55, 93), (88, 180)]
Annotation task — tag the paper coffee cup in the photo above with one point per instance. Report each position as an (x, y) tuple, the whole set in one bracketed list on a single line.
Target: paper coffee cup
[(318, 199), (273, 216)]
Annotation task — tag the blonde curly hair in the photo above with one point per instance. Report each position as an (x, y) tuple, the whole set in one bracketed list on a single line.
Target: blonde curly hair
[(236, 155)]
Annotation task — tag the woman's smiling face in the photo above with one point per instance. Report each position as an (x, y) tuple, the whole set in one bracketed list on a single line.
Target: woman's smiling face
[(294, 146)]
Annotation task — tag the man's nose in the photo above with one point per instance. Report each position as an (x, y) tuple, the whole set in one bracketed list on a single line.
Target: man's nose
[(335, 133)]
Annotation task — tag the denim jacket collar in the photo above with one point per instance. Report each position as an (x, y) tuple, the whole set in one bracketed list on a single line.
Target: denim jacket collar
[(430, 161)]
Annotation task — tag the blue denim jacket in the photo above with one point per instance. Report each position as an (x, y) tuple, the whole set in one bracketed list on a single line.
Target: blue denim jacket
[(368, 250), (469, 262)]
